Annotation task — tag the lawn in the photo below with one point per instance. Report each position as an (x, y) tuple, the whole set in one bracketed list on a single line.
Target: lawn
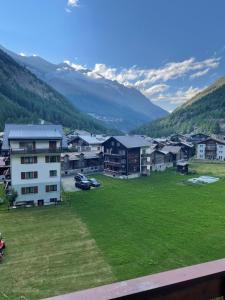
[(125, 229)]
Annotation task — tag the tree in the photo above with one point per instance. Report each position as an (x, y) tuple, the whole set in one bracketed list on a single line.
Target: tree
[(12, 197)]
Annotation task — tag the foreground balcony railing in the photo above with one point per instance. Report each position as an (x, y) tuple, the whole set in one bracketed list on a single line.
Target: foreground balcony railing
[(36, 150), (199, 282)]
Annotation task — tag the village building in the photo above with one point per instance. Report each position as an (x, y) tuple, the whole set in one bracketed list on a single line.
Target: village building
[(86, 162), (188, 149), (127, 156), (211, 149), (176, 151), (197, 137), (160, 160), (85, 143), (35, 170)]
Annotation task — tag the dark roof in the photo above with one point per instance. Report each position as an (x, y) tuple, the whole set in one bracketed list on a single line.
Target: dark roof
[(171, 149), (212, 139), (36, 132), (130, 141)]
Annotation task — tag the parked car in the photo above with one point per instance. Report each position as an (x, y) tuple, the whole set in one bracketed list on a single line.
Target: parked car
[(80, 177), (94, 182), (83, 184)]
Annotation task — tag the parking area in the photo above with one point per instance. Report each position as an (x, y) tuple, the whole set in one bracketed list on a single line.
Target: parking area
[(68, 184)]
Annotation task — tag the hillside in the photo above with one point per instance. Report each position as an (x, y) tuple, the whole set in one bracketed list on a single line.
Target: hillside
[(25, 98), (205, 112), (117, 106)]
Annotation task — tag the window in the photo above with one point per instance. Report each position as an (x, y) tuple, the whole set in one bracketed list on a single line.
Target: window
[(52, 159), (52, 145), (53, 200), (53, 173), (27, 145), (29, 190), (122, 152), (51, 188), (29, 175), (117, 144), (112, 143), (29, 160)]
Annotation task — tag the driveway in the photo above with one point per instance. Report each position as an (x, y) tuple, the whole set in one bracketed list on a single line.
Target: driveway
[(68, 184)]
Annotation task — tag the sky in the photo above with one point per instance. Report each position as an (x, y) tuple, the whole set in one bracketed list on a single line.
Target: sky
[(168, 49)]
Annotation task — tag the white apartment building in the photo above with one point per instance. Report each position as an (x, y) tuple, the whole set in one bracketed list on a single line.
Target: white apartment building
[(35, 166), (211, 149)]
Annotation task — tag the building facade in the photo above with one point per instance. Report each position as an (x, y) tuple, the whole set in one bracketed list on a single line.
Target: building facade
[(127, 156), (211, 149), (35, 168)]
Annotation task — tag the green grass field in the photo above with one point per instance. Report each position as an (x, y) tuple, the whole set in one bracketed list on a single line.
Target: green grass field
[(125, 229)]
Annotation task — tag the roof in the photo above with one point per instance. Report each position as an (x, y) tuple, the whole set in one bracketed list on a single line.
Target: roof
[(27, 132), (212, 139), (130, 141), (91, 140), (171, 149)]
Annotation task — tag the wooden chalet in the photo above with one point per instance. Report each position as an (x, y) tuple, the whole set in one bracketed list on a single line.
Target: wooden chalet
[(126, 156)]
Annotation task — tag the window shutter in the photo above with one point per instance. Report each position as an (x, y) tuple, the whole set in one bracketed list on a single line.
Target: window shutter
[(35, 174), (22, 175), (36, 189), (23, 191), (46, 159), (47, 188), (35, 159), (22, 160)]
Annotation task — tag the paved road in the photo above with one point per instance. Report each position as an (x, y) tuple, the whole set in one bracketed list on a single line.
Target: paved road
[(68, 184)]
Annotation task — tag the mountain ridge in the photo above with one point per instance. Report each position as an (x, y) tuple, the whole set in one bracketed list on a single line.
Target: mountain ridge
[(205, 112), (26, 99), (118, 106)]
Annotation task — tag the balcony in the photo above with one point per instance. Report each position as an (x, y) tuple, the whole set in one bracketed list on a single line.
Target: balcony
[(35, 150), (199, 282), (116, 163), (115, 154)]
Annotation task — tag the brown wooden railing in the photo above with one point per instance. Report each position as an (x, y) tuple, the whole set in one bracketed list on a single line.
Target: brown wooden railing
[(199, 282)]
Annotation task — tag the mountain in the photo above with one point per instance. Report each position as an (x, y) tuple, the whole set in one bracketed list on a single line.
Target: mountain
[(205, 112), (118, 106), (25, 98)]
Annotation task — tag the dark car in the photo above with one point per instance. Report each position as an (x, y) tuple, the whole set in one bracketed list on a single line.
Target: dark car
[(83, 184), (94, 182), (80, 177)]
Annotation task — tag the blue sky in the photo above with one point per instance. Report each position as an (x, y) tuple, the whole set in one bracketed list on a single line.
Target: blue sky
[(168, 49)]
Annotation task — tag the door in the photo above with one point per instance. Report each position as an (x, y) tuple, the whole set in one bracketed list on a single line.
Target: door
[(40, 202), (52, 145)]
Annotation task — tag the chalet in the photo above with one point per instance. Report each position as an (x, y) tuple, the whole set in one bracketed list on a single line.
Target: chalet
[(87, 162), (127, 156), (188, 149), (176, 151), (197, 137), (160, 160), (85, 143), (211, 149)]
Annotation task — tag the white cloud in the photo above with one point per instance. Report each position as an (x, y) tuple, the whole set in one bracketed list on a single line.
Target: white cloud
[(73, 3), (155, 89), (153, 82), (200, 73), (68, 10), (22, 54), (179, 97), (76, 67)]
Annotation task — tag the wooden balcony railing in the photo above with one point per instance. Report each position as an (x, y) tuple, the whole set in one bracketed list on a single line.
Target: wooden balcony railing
[(35, 150), (199, 282)]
